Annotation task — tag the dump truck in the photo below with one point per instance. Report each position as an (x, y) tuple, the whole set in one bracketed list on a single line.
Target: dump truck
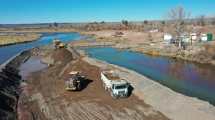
[(58, 44), (74, 83), (114, 84)]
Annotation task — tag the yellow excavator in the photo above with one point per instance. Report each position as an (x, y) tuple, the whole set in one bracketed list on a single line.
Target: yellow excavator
[(58, 44)]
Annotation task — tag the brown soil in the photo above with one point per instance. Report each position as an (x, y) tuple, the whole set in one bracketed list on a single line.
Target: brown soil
[(111, 76), (49, 99)]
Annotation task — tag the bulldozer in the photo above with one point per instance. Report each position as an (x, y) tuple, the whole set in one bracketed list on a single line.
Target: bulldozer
[(75, 81), (58, 44)]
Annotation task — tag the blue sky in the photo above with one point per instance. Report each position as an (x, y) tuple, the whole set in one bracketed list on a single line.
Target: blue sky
[(40, 11)]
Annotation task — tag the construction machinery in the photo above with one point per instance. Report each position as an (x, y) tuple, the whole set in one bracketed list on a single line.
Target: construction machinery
[(75, 81), (114, 84), (58, 44)]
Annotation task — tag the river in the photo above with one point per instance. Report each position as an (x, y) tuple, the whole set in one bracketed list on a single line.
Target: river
[(7, 52), (188, 78), (195, 80)]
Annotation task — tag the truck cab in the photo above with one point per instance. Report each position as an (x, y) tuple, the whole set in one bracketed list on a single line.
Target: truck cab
[(114, 84), (119, 89)]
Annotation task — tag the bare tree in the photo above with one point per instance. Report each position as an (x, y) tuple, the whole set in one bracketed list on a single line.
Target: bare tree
[(213, 20), (201, 20), (178, 16), (163, 22)]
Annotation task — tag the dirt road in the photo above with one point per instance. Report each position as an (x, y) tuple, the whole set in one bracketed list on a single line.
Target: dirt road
[(45, 98)]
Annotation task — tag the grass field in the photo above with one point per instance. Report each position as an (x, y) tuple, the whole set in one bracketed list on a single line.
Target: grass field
[(14, 38)]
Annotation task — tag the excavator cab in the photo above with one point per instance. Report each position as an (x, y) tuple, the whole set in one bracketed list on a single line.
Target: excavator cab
[(58, 44)]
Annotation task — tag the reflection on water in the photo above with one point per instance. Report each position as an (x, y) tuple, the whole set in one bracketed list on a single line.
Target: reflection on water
[(185, 77), (32, 65)]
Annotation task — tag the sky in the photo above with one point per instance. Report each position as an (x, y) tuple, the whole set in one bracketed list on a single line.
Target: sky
[(44, 11)]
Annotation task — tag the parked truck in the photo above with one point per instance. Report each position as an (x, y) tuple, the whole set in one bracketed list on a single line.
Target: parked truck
[(75, 81), (114, 84)]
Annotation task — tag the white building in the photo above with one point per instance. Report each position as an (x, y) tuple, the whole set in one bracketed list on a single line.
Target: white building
[(204, 38), (167, 38), (193, 36)]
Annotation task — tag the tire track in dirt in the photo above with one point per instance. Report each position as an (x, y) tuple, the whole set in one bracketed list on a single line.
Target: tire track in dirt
[(92, 103)]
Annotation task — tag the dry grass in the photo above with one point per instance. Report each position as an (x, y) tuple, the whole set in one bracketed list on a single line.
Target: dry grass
[(13, 38)]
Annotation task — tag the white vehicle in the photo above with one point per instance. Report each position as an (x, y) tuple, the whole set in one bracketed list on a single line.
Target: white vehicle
[(112, 83)]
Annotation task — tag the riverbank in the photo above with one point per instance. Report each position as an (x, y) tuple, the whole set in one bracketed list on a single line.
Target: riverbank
[(17, 38), (151, 44), (37, 29), (10, 80), (173, 105)]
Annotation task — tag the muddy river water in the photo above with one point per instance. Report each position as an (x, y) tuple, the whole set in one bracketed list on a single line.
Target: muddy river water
[(191, 79)]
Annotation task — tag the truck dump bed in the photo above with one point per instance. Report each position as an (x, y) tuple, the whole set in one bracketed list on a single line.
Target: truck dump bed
[(111, 75)]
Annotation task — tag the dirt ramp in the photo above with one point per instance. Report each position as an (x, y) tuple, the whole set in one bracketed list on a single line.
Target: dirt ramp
[(53, 57), (62, 55)]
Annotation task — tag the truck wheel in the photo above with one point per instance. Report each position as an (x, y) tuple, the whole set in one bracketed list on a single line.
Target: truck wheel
[(106, 89), (113, 96), (79, 87)]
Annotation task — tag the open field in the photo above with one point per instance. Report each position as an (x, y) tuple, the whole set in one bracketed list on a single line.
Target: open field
[(36, 29), (14, 38)]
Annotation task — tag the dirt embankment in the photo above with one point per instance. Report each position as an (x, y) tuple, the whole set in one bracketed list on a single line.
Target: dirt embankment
[(9, 87), (46, 98), (15, 38)]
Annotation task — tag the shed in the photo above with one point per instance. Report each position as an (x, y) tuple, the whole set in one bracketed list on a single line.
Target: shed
[(167, 38), (185, 37), (193, 36), (209, 37), (204, 38)]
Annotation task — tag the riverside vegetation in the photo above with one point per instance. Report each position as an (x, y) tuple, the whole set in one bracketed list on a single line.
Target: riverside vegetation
[(14, 38)]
